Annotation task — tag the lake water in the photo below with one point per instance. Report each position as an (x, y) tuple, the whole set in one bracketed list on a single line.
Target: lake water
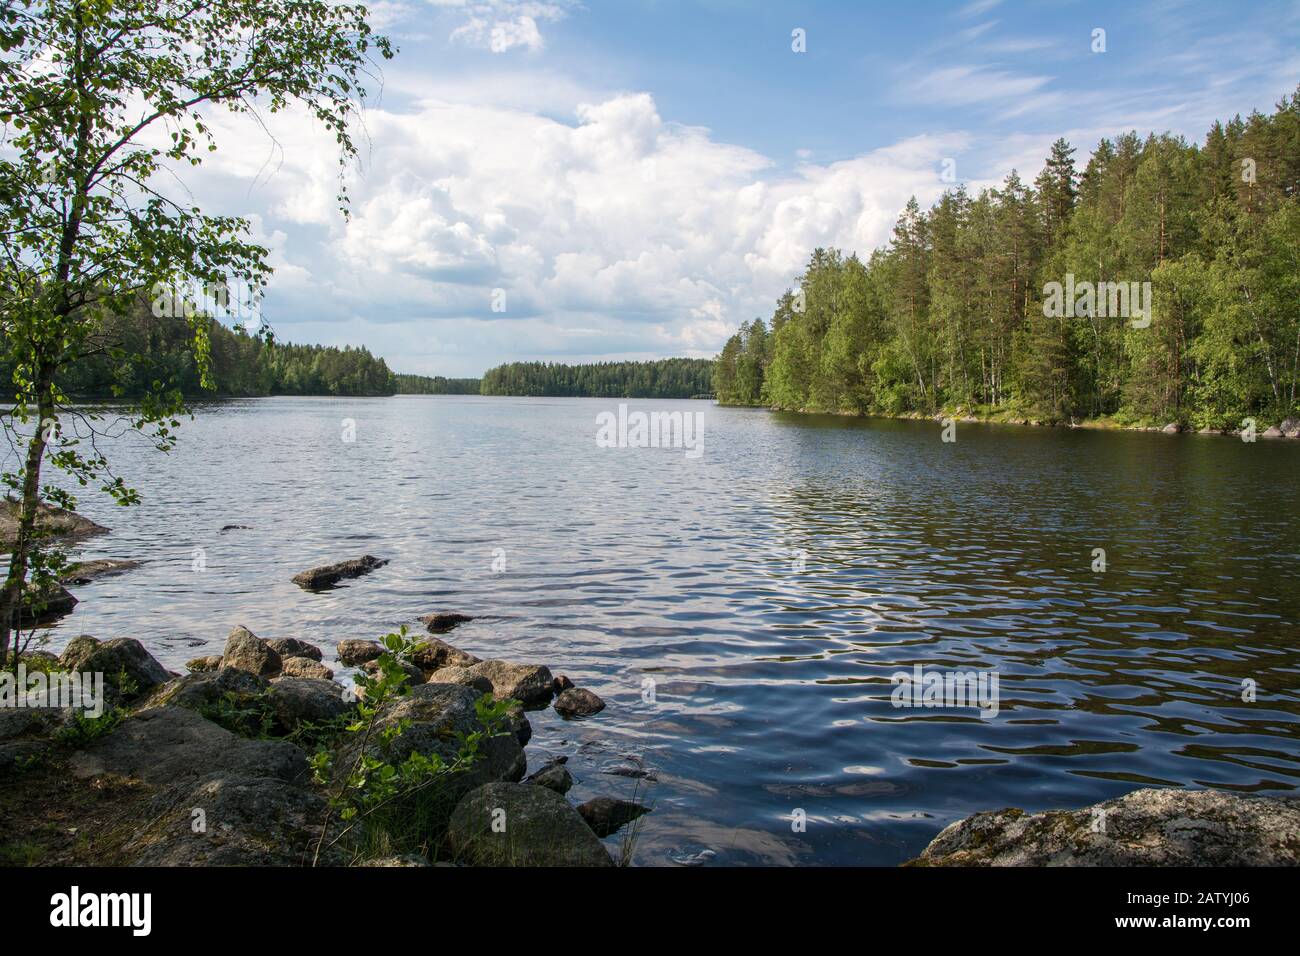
[(742, 612)]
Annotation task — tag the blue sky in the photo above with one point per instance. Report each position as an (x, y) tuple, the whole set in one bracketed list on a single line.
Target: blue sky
[(544, 179)]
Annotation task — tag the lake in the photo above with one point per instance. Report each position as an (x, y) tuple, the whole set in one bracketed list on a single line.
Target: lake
[(742, 611)]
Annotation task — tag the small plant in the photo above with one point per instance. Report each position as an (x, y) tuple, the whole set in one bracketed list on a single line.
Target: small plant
[(389, 800), (81, 730), (248, 716)]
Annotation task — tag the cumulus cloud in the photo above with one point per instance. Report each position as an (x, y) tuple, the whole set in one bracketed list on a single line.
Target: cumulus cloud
[(504, 25)]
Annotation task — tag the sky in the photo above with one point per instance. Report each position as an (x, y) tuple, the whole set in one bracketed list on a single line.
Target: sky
[(631, 179)]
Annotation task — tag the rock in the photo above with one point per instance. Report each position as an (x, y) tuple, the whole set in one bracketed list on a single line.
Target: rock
[(200, 665), (1148, 827), (605, 815), (83, 572), (168, 745), (445, 621), (560, 684), (433, 654), (292, 647), (409, 860), (413, 672), (235, 527), (206, 689), (122, 657), (55, 522), (553, 777), (44, 605), (519, 725), (297, 700), (578, 702), (353, 652), (462, 676), (248, 652), (1173, 428), (1290, 428), (305, 667), (248, 821), (330, 574), (1271, 432), (530, 684), (540, 829)]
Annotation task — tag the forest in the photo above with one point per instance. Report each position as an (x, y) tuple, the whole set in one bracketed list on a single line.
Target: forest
[(434, 385), (665, 378), (960, 312)]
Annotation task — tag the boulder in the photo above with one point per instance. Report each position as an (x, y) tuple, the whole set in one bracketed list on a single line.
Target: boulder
[(122, 657), (1148, 827), (560, 684), (462, 676), (304, 667), (605, 815), (1290, 428), (443, 621), (246, 651), (292, 647), (352, 652), (1173, 428), (45, 605), (512, 824), (433, 654), (1271, 432), (408, 860), (55, 522), (206, 689), (199, 665), (297, 700), (553, 776), (83, 572), (330, 574), (413, 672), (578, 702), (530, 684)]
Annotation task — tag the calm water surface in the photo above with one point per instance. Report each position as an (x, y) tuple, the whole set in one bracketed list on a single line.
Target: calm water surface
[(771, 684)]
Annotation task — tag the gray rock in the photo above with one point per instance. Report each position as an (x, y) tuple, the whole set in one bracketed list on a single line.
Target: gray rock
[(205, 689), (1271, 432), (248, 652), (163, 746), (578, 702), (352, 652), (297, 700), (304, 667), (292, 647), (83, 572), (605, 815), (560, 684), (45, 605), (1148, 827), (414, 673), (409, 860), (1290, 428), (535, 827), (1173, 428), (530, 684), (553, 777), (444, 621), (462, 676), (55, 522), (115, 659), (330, 574), (433, 654), (199, 665)]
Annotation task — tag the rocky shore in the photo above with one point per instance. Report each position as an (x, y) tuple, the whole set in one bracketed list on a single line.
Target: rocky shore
[(215, 767)]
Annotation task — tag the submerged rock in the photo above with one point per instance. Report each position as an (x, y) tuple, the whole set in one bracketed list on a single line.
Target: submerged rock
[(330, 574), (530, 684), (512, 824), (83, 572), (292, 647), (444, 621), (55, 522), (352, 652), (1148, 827), (246, 651), (553, 776), (578, 702), (605, 815)]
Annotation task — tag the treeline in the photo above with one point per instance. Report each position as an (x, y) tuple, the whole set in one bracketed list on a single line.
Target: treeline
[(988, 304), (140, 349), (434, 385), (665, 378)]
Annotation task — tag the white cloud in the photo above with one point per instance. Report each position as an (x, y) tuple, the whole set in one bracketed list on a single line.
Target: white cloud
[(504, 25)]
